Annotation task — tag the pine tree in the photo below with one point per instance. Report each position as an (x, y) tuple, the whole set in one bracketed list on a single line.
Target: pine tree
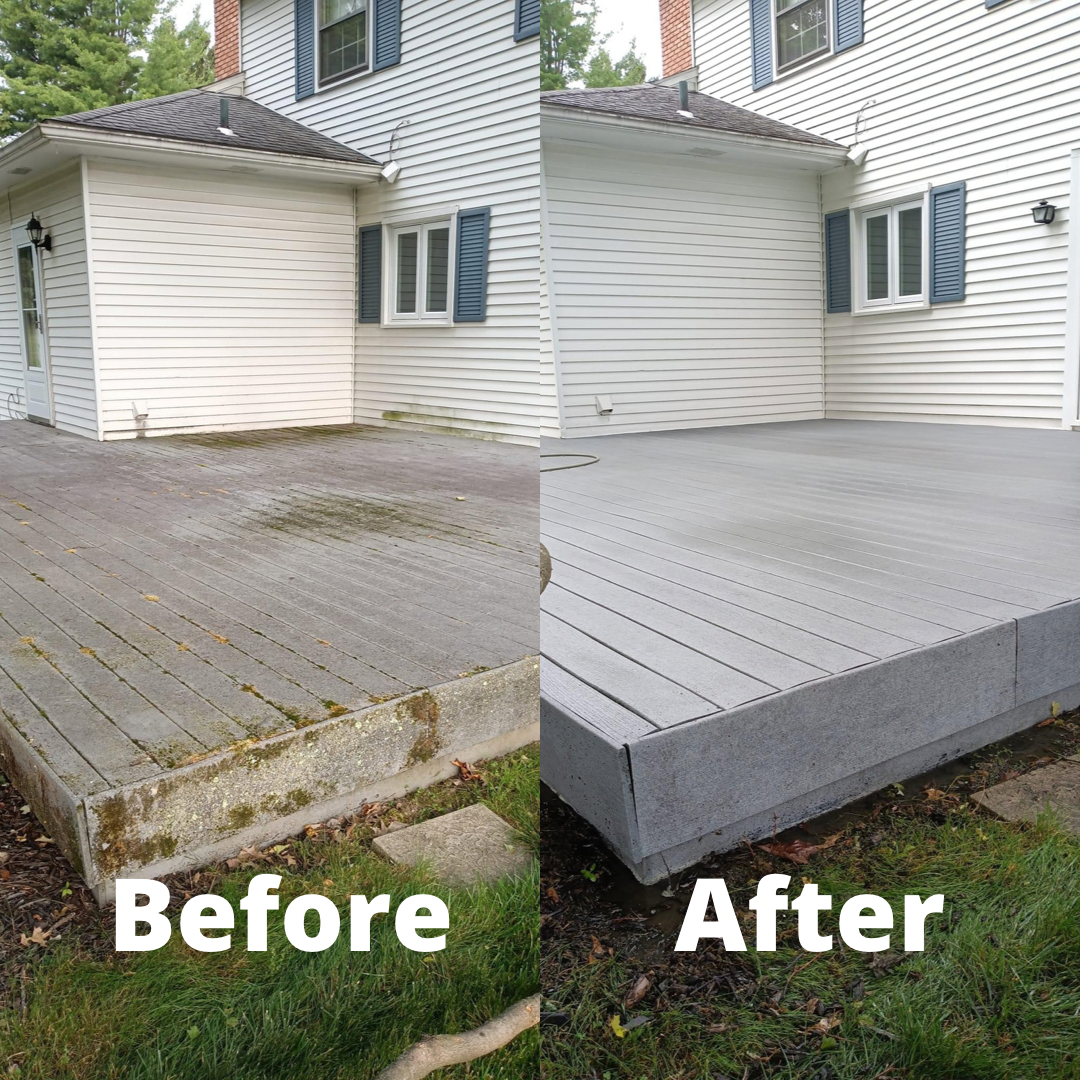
[(65, 56), (178, 57), (571, 50)]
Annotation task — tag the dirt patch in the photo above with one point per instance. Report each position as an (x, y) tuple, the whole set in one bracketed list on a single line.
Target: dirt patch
[(425, 712), (315, 513)]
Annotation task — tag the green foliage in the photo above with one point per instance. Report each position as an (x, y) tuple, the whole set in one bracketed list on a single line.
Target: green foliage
[(176, 1014), (178, 58), (605, 71), (65, 56), (572, 52), (995, 996)]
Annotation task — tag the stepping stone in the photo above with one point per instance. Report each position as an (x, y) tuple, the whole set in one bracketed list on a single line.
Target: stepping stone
[(461, 848), (1025, 797)]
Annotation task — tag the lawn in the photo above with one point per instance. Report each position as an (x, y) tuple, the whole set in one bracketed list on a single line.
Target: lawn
[(995, 996), (74, 1010)]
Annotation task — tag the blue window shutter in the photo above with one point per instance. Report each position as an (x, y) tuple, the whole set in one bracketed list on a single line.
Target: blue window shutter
[(948, 213), (761, 42), (527, 19), (387, 23), (305, 48), (470, 290), (838, 262), (849, 24), (370, 274)]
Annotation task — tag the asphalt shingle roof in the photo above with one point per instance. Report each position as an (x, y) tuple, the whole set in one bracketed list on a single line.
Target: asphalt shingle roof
[(194, 116), (652, 102)]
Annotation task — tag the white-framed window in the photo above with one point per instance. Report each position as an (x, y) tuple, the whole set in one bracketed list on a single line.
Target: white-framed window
[(420, 271), (342, 39), (891, 246), (802, 31)]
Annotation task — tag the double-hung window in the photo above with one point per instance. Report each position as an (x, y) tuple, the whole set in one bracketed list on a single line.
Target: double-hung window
[(892, 245), (420, 272), (343, 39), (802, 30)]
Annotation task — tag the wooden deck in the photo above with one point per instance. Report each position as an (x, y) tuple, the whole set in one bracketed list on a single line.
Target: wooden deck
[(748, 625), (164, 602)]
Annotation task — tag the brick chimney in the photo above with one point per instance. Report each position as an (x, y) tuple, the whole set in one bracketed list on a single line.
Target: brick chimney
[(676, 35), (227, 38)]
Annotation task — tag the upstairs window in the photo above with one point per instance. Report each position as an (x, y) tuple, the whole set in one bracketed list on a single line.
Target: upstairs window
[(343, 39), (802, 30), (420, 272)]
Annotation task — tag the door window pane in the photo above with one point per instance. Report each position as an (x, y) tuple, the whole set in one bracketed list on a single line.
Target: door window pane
[(31, 317), (407, 249), (910, 239), (802, 29), (438, 269), (877, 257)]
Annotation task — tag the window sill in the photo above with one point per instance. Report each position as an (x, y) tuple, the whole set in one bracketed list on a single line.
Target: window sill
[(892, 309), (413, 324), (325, 88), (798, 69)]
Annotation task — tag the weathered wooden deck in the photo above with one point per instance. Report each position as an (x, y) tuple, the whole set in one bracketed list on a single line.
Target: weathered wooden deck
[(750, 625), (207, 640)]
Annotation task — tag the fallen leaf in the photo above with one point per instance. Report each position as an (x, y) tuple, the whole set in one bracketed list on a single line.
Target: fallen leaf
[(151, 598), (552, 895), (616, 1025), (799, 851), (642, 985), (38, 937), (638, 1021), (219, 639)]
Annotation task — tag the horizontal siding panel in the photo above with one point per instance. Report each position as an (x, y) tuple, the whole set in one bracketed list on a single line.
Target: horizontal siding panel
[(469, 94), (655, 277), (250, 322), (962, 95)]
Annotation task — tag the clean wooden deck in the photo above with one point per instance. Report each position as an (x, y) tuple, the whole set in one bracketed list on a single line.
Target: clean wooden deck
[(728, 576), (163, 600)]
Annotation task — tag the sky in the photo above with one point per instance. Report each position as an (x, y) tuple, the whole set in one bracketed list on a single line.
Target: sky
[(629, 19), (625, 19)]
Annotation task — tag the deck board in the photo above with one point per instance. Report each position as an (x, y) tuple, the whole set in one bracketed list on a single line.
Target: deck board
[(166, 600), (878, 587)]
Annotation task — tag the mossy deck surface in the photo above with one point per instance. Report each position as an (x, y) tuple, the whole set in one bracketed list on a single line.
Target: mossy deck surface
[(165, 601)]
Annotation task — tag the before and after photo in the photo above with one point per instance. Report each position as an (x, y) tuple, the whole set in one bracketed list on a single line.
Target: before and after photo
[(539, 540)]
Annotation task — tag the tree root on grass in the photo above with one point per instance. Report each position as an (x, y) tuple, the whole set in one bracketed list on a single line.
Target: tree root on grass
[(441, 1051)]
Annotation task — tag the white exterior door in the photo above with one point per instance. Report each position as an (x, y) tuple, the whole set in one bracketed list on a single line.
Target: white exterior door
[(32, 325)]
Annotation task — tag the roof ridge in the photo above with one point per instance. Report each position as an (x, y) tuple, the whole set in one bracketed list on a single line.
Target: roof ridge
[(132, 106)]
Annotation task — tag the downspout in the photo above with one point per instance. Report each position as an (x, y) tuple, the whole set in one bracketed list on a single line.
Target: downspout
[(547, 271), (824, 301), (84, 168)]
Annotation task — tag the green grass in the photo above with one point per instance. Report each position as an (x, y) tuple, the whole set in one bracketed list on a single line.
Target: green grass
[(995, 996), (183, 1015)]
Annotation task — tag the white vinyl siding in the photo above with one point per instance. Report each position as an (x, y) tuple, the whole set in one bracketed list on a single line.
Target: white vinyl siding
[(58, 203), (690, 295), (963, 94), (223, 301), (469, 94)]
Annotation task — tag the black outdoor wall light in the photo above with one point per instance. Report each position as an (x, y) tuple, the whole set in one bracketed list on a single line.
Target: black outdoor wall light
[(36, 233), (1044, 213)]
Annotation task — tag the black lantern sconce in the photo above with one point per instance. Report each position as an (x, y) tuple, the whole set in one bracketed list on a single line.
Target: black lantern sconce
[(1044, 213), (37, 234)]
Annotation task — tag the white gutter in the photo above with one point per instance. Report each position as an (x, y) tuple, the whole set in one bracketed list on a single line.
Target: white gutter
[(697, 132), (85, 140)]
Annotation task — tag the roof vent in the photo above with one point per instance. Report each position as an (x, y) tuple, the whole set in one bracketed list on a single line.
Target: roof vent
[(21, 171), (223, 127), (684, 100)]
